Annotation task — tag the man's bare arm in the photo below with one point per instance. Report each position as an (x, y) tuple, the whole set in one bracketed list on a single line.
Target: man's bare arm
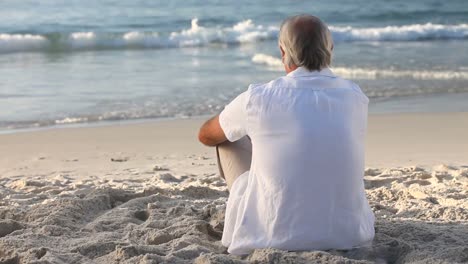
[(211, 133)]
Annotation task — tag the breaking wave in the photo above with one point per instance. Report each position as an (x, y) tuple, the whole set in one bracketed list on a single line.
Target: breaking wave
[(371, 74), (414, 32), (243, 32)]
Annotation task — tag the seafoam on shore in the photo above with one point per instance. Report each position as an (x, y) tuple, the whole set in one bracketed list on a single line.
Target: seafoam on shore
[(162, 215)]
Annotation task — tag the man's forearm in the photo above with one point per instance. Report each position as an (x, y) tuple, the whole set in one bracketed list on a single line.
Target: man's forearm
[(211, 133)]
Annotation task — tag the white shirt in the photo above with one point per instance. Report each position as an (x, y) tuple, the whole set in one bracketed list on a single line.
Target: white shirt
[(305, 187)]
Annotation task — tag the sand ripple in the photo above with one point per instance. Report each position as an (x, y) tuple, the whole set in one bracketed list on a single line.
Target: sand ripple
[(422, 216)]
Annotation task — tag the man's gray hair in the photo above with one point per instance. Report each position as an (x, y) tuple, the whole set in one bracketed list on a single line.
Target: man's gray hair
[(306, 41)]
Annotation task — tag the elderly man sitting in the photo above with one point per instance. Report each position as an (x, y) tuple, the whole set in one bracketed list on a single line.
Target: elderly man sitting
[(292, 153)]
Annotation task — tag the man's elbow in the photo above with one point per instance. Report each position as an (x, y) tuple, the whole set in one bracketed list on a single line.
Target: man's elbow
[(205, 140)]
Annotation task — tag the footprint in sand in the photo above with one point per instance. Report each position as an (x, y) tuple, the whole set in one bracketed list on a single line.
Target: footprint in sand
[(167, 177), (418, 182), (157, 237), (372, 172), (442, 176), (141, 215), (9, 226), (375, 183), (423, 175)]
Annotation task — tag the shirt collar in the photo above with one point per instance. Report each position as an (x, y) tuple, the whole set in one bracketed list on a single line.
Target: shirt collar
[(303, 72)]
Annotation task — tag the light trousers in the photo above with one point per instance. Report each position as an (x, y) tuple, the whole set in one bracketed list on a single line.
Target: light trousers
[(234, 158)]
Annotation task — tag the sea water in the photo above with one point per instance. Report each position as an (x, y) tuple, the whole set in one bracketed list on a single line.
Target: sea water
[(86, 61)]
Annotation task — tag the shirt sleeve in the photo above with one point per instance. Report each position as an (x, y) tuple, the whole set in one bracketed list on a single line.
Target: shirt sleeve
[(363, 96), (233, 119)]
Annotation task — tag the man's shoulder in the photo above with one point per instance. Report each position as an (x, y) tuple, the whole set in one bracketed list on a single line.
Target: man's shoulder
[(356, 88), (278, 82), (261, 89)]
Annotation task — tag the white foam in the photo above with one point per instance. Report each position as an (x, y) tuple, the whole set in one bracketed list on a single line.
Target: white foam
[(400, 33), (82, 39), (246, 31), (82, 35), (373, 74), (268, 60), (370, 74), (195, 36), (18, 42), (243, 32), (71, 120), (136, 38)]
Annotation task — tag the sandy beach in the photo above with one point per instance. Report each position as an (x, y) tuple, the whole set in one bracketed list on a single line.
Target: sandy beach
[(150, 193)]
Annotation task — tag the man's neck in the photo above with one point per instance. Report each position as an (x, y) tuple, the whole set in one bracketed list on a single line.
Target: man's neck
[(291, 68)]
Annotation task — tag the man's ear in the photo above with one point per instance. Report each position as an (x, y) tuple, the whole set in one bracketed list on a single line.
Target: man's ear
[(282, 52)]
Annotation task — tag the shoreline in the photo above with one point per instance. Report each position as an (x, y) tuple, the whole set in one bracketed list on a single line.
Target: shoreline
[(103, 123), (393, 139), (414, 104)]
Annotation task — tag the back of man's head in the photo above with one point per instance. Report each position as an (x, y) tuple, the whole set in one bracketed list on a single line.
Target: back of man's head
[(306, 42)]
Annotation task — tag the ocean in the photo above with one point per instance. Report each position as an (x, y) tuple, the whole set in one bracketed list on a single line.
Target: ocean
[(88, 61)]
